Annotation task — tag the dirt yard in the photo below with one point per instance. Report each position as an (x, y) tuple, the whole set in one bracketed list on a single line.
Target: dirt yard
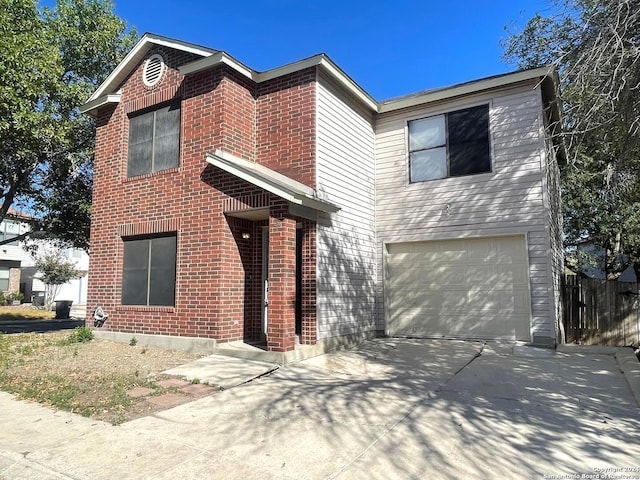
[(109, 381)]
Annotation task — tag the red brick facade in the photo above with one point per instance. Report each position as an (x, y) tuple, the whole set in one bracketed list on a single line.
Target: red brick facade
[(218, 271)]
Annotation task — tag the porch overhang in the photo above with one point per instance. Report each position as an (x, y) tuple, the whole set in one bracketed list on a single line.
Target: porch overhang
[(271, 181)]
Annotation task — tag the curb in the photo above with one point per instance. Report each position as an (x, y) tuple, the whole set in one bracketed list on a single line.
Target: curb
[(630, 368)]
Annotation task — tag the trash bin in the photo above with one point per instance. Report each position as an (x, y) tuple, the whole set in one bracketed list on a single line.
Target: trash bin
[(63, 309), (37, 299)]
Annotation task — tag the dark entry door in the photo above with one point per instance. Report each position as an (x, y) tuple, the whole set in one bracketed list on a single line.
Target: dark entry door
[(298, 281)]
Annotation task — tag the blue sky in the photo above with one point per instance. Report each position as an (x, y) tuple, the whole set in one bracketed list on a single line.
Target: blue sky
[(389, 47)]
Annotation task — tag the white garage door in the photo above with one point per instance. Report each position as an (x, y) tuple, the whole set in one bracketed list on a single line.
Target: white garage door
[(475, 288)]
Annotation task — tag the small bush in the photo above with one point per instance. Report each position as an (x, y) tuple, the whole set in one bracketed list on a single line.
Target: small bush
[(80, 335), (133, 342), (9, 298)]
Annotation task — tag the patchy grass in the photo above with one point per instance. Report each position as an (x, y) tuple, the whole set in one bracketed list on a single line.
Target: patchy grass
[(24, 313), (70, 371)]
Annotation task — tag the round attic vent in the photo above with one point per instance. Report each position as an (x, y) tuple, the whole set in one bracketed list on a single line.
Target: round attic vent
[(153, 70)]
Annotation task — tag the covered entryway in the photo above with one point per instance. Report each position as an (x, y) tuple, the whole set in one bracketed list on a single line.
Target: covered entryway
[(273, 223), (470, 288)]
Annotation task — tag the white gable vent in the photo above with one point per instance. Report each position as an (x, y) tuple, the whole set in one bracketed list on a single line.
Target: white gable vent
[(153, 70)]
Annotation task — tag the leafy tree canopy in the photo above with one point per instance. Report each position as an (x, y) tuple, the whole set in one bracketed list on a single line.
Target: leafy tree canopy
[(51, 60), (595, 45)]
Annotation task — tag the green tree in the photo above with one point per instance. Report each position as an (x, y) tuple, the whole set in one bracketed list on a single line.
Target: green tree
[(51, 60), (54, 270), (595, 45)]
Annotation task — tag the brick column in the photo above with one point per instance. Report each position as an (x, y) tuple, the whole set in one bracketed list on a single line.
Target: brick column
[(281, 323)]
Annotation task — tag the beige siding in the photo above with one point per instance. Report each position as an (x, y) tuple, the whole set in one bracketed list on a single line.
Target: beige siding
[(554, 218), (346, 242), (509, 200)]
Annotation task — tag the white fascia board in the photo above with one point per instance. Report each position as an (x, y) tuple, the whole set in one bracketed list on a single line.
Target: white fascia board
[(317, 60), (320, 205), (265, 172), (93, 105), (465, 89), (217, 58), (269, 180), (135, 55), (180, 45), (331, 68)]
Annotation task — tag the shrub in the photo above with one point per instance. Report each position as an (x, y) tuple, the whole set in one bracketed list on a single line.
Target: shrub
[(9, 298), (80, 335)]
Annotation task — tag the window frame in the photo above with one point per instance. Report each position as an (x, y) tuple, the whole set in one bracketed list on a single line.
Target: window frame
[(4, 235), (129, 271), (485, 106), (131, 168)]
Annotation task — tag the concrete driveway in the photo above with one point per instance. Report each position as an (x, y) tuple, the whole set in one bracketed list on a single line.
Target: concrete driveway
[(390, 409)]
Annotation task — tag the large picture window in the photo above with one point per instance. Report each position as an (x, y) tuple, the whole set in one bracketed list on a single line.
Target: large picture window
[(149, 273), (452, 144), (154, 140)]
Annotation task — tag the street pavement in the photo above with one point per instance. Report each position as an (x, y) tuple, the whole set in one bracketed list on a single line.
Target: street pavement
[(390, 409)]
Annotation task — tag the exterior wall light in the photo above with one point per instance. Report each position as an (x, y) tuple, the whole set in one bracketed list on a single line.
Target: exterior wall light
[(246, 235)]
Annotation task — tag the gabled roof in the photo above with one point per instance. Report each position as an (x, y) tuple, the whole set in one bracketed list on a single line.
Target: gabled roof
[(271, 181), (107, 91), (320, 60)]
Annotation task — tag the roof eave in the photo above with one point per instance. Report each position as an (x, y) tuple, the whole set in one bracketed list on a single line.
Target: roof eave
[(319, 60), (465, 89), (550, 87), (139, 50), (219, 58), (270, 181), (92, 107)]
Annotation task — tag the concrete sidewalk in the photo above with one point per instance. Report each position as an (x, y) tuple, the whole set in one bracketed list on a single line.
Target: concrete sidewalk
[(390, 409)]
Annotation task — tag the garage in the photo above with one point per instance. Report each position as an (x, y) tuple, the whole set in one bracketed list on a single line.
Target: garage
[(467, 288)]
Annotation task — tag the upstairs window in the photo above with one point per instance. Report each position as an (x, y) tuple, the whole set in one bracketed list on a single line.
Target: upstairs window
[(9, 230), (450, 145), (149, 272), (154, 141)]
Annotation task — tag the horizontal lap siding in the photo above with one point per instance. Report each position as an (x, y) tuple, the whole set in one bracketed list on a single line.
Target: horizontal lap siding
[(346, 249), (509, 200), (555, 228)]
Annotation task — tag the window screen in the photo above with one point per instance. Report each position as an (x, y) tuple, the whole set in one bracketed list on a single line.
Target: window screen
[(154, 141), (469, 141), (149, 272)]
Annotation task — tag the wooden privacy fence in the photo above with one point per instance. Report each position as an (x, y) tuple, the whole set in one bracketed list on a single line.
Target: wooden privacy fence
[(600, 312)]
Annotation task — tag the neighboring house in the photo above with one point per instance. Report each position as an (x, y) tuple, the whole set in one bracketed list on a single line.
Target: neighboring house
[(74, 290), (12, 255), (17, 271), (592, 263), (290, 206)]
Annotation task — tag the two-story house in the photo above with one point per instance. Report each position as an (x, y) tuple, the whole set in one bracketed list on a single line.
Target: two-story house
[(290, 207), (12, 255)]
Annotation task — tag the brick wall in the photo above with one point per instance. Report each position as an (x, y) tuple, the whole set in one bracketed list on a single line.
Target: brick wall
[(218, 272), (285, 125)]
